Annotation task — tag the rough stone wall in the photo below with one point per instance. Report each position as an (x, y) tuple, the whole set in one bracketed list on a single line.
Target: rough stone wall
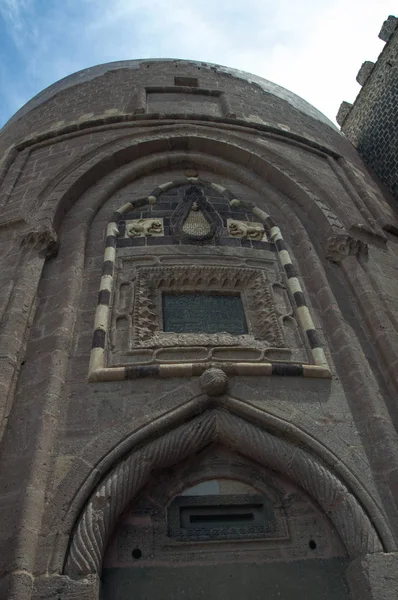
[(63, 437), (371, 123)]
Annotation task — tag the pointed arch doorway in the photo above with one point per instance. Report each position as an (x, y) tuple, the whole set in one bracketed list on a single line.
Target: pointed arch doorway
[(219, 526), (345, 524)]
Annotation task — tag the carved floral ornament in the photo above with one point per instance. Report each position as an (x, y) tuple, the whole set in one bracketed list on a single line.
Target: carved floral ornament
[(194, 221)]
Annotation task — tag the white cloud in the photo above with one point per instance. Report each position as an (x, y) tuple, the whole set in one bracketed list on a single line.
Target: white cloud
[(312, 47)]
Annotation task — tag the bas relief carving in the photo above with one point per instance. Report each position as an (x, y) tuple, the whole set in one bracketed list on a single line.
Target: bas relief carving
[(144, 228), (338, 247), (246, 230)]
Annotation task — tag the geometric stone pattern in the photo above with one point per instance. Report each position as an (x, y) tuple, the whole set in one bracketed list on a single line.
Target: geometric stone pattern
[(124, 348), (195, 220), (170, 209)]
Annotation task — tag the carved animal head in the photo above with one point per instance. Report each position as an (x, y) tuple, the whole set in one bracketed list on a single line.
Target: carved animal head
[(156, 226)]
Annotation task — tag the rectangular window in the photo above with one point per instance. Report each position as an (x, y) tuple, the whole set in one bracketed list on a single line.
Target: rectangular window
[(220, 516), (203, 313), (223, 517)]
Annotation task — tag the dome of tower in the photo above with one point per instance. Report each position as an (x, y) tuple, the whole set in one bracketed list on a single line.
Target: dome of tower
[(160, 89)]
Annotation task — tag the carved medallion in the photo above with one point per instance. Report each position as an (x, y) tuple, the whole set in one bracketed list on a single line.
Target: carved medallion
[(195, 220)]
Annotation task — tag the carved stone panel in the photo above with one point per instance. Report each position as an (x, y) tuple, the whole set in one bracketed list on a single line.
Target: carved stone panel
[(259, 322), (251, 284), (246, 230), (144, 228)]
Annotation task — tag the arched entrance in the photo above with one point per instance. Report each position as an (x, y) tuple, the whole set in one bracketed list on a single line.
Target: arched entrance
[(335, 511), (220, 526)]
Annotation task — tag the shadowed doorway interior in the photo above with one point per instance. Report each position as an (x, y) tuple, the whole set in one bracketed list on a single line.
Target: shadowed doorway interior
[(219, 526)]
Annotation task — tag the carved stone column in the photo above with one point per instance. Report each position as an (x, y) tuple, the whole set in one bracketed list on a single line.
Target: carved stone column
[(36, 245)]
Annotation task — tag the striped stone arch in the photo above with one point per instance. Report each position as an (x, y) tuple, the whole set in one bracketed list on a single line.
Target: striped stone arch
[(98, 371), (117, 489)]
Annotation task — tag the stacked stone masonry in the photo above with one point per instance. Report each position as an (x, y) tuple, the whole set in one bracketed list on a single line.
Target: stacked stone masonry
[(371, 123), (138, 461)]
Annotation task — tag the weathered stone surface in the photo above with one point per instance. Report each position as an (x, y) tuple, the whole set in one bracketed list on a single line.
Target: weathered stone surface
[(58, 587), (374, 577), (364, 72), (388, 28), (321, 452), (343, 111)]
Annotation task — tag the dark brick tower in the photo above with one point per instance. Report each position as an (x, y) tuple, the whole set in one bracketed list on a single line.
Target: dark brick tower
[(371, 123), (198, 345)]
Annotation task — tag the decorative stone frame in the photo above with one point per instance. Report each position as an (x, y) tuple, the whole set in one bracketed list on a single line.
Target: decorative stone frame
[(273, 526), (141, 98), (251, 284), (98, 371)]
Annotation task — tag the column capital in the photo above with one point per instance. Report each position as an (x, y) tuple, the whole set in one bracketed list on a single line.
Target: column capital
[(43, 240), (338, 247)]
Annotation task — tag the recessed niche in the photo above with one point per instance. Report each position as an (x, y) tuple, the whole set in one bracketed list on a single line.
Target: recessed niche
[(183, 102), (186, 81)]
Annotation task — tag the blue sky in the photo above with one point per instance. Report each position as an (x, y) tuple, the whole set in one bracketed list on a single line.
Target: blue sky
[(312, 47)]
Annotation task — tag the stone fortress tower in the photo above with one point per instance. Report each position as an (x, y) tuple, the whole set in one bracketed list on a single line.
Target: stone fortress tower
[(199, 342)]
